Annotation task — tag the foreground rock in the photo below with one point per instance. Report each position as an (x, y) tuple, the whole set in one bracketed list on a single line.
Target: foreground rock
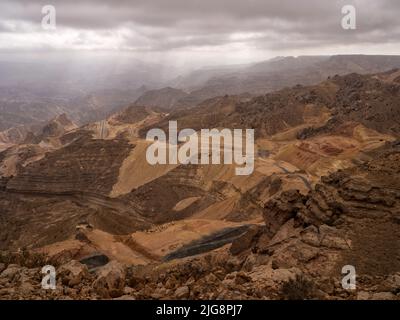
[(350, 217), (110, 280), (72, 273)]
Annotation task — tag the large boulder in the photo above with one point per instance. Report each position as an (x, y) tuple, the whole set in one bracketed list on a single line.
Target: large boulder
[(110, 282), (72, 273)]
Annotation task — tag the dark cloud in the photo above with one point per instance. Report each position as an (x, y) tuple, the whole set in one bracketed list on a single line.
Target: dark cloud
[(172, 24)]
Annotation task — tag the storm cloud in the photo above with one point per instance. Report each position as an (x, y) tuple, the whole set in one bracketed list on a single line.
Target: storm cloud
[(270, 27)]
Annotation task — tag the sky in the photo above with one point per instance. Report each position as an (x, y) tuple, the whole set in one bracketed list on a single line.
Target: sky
[(199, 32)]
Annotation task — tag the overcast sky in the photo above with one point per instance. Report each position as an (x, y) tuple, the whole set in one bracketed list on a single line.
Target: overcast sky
[(202, 31)]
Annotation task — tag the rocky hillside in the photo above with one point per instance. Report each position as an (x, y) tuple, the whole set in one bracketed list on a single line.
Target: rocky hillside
[(350, 217), (89, 96), (324, 193), (302, 133), (280, 72), (369, 100), (165, 98)]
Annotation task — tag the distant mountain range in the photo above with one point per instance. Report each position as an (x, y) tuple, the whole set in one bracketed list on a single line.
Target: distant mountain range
[(264, 77), (92, 93)]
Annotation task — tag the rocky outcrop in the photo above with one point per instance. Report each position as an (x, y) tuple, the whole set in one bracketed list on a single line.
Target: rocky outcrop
[(281, 209), (341, 221)]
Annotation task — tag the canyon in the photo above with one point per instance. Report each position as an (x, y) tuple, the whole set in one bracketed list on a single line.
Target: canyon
[(324, 193)]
